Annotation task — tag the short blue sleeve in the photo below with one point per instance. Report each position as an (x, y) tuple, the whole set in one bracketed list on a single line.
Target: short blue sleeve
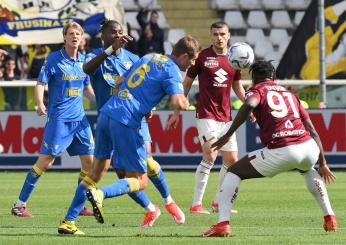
[(172, 83), (47, 70)]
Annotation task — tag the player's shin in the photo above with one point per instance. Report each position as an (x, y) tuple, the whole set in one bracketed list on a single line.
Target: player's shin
[(222, 173), (157, 176), (201, 180), (83, 173), (141, 198), (120, 187), (227, 195), (318, 189), (79, 198), (29, 184)]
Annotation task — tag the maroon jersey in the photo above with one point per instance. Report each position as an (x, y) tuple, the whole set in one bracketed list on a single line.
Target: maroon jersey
[(279, 115), (215, 77)]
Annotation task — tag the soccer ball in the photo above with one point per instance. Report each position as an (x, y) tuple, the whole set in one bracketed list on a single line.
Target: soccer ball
[(240, 55)]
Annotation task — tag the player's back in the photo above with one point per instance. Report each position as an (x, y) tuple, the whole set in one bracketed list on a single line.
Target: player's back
[(145, 84), (279, 115)]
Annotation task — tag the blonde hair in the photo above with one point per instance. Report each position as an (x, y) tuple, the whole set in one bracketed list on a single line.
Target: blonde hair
[(187, 45), (74, 25)]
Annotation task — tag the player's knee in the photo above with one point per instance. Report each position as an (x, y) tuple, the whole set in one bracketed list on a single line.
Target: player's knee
[(153, 167), (143, 183), (44, 162)]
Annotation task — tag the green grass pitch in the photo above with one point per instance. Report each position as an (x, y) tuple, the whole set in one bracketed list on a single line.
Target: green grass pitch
[(270, 211)]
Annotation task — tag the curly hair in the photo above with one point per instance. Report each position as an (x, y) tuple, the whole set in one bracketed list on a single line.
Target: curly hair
[(107, 23), (262, 70)]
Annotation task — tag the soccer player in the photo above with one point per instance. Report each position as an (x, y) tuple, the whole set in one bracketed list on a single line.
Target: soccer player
[(145, 84), (213, 113), (67, 127), (291, 142), (104, 71)]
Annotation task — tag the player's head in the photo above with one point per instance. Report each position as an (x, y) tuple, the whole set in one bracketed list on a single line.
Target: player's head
[(186, 51), (219, 32), (262, 70), (72, 33), (110, 30)]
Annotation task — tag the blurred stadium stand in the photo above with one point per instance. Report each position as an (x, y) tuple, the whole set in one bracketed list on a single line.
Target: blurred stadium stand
[(267, 25)]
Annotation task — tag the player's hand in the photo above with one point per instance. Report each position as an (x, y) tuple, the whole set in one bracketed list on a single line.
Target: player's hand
[(252, 118), (121, 41), (326, 174), (173, 121), (220, 142), (3, 52), (149, 116), (41, 110)]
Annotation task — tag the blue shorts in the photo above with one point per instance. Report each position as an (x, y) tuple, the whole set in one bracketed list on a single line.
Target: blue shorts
[(144, 131), (126, 144), (75, 137)]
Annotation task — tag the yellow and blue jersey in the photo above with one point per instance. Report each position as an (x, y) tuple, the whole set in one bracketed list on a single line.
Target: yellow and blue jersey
[(145, 84), (66, 80), (107, 74)]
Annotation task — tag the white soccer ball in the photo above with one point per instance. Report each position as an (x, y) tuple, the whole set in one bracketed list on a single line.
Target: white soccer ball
[(240, 55)]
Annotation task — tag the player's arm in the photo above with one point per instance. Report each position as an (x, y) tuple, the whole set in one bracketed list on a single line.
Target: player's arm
[(179, 102), (95, 62), (324, 170), (243, 113), (238, 90), (174, 119), (89, 92), (39, 94)]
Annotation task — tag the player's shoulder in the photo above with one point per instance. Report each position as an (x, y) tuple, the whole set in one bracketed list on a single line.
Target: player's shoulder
[(205, 53), (130, 55), (54, 57)]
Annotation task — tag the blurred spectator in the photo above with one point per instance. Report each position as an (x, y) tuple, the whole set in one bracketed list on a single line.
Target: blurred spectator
[(2, 74), (36, 57), (3, 55), (13, 95), (16, 52), (114, 10), (152, 36), (84, 44)]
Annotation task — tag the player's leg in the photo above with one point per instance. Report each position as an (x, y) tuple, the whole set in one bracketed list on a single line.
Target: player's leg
[(316, 185), (55, 141), (100, 164), (130, 155), (317, 188), (99, 167), (229, 158), (133, 182), (240, 170), (157, 177), (207, 137), (82, 145), (229, 154), (33, 176)]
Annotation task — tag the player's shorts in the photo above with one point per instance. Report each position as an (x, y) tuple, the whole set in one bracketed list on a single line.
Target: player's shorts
[(209, 128), (75, 137), (127, 145), (144, 131), (270, 162)]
